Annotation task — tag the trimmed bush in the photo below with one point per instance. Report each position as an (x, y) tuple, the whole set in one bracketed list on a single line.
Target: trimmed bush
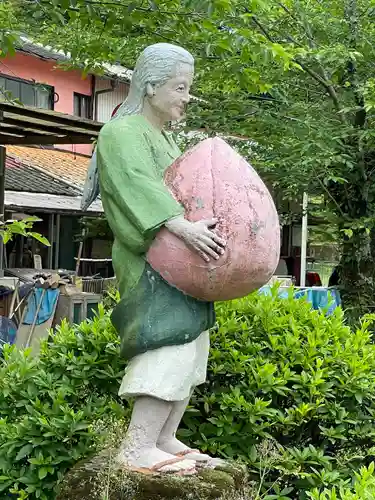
[(362, 488), (291, 392), (49, 406)]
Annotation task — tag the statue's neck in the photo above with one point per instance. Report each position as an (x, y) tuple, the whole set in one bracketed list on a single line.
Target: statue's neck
[(154, 118)]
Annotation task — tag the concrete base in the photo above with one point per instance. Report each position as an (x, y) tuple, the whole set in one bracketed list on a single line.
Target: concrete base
[(97, 478)]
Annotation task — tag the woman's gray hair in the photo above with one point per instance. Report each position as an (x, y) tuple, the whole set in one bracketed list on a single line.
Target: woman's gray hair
[(155, 66)]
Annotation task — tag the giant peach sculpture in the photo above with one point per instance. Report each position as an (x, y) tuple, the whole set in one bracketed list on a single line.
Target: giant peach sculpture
[(213, 180)]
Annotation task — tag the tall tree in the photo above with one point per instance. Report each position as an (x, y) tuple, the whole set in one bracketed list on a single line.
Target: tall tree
[(296, 76)]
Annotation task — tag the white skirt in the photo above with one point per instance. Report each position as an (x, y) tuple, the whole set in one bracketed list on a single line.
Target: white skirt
[(169, 373)]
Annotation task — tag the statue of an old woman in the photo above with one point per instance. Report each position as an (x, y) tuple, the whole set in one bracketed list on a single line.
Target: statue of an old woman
[(133, 152)]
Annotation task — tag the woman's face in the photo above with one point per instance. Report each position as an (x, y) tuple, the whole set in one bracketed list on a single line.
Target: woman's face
[(169, 100)]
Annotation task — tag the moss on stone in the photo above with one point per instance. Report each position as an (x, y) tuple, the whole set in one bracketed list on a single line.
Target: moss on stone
[(97, 479)]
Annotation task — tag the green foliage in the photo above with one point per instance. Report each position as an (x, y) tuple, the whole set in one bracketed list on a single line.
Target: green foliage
[(95, 227), (291, 392), (48, 406), (8, 35), (363, 488), (21, 227), (294, 76), (111, 297)]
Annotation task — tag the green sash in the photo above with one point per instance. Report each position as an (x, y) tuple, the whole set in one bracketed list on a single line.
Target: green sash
[(155, 314)]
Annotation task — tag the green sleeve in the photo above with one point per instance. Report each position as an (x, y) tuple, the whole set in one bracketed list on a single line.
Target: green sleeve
[(128, 178)]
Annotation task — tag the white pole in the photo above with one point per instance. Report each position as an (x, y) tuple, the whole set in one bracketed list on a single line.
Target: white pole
[(304, 240)]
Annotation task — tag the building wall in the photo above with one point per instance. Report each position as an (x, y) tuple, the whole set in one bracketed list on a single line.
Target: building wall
[(65, 83), (106, 103)]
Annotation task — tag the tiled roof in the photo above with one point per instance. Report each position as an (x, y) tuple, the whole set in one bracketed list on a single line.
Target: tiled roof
[(63, 170), (46, 180), (21, 177), (43, 52)]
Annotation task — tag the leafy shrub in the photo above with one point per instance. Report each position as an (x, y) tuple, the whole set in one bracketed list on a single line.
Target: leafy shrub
[(293, 381), (363, 488), (111, 297), (290, 391), (49, 406)]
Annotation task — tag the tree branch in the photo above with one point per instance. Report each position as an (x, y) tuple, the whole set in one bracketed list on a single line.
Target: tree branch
[(293, 40), (312, 43), (265, 32), (148, 10), (329, 88), (298, 21), (331, 197), (351, 15), (321, 79)]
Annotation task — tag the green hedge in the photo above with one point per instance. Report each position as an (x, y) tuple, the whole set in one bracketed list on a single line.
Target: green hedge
[(289, 391), (49, 406)]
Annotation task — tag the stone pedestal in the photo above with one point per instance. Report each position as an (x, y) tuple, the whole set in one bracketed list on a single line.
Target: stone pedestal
[(97, 478)]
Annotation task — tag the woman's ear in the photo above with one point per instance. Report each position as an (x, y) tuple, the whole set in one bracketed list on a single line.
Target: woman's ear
[(150, 91)]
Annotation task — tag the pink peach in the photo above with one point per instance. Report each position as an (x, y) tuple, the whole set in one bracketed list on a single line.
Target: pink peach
[(213, 180)]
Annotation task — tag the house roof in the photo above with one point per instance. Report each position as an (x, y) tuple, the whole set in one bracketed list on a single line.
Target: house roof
[(39, 50), (21, 176), (46, 52), (65, 170), (46, 180)]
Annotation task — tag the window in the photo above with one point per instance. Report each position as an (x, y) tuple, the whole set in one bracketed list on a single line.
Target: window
[(29, 93), (82, 105)]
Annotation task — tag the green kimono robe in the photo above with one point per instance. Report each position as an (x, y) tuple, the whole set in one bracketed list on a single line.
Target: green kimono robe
[(132, 158)]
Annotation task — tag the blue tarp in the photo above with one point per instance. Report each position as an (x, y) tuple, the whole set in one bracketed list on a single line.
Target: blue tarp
[(319, 297), (46, 309)]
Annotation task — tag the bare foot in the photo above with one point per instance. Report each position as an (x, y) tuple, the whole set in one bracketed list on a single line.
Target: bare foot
[(152, 460), (176, 447)]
